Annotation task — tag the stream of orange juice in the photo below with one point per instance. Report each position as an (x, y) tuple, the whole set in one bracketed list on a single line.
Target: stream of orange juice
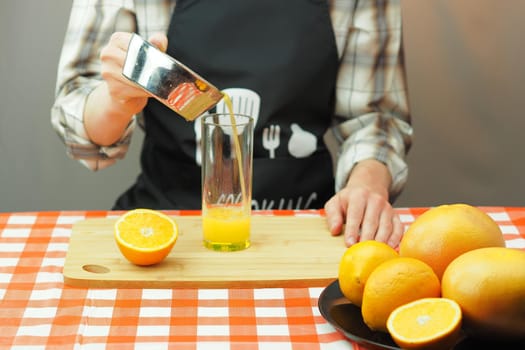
[(227, 228)]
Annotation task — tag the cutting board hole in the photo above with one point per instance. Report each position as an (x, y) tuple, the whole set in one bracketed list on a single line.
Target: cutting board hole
[(96, 268)]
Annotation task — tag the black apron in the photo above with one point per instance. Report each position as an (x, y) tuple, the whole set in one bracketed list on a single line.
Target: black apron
[(285, 51)]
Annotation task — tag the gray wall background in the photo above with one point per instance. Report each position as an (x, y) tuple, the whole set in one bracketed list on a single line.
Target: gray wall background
[(466, 75), (35, 173), (465, 71)]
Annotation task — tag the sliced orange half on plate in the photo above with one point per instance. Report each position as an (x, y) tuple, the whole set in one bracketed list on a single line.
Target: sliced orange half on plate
[(145, 236), (428, 323)]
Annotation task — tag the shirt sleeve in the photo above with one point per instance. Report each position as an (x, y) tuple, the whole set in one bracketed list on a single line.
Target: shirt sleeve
[(372, 120), (90, 26)]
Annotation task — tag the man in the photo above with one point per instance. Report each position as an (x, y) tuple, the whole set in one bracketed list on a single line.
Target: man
[(331, 71)]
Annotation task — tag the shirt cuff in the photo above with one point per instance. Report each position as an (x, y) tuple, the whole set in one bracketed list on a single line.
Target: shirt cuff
[(358, 152), (69, 123)]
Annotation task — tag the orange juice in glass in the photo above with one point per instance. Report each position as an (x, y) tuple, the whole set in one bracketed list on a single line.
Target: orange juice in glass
[(227, 154), (226, 228)]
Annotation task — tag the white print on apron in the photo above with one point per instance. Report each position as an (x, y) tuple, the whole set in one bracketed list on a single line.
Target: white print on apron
[(284, 203), (244, 101)]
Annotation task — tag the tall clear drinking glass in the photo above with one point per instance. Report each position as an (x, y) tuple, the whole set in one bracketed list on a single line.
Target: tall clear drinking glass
[(227, 154)]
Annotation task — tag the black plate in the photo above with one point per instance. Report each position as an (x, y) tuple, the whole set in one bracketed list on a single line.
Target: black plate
[(347, 319)]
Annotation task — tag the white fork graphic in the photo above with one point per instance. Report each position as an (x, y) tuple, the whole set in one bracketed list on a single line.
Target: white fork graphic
[(271, 139), (244, 102)]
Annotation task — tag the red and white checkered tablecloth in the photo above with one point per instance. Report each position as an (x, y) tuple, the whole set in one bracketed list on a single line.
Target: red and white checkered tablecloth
[(37, 311)]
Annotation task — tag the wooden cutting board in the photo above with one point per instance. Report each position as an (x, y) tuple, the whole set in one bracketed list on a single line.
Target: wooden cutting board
[(286, 251)]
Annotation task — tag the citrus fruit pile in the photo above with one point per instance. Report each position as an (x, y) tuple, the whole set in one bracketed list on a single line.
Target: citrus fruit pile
[(145, 236), (452, 272)]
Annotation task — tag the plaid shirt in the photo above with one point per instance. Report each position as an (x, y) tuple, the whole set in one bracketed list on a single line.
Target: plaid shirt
[(372, 118)]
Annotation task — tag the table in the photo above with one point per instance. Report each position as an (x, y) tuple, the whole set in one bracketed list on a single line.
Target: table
[(38, 311)]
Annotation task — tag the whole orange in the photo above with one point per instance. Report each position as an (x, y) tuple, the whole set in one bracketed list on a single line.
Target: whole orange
[(393, 283), (443, 233), (489, 285), (357, 263)]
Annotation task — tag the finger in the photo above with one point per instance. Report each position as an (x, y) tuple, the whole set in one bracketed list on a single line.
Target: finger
[(334, 215), (111, 68), (113, 54), (371, 219), (385, 227), (398, 230), (120, 40), (160, 40), (112, 59), (354, 217)]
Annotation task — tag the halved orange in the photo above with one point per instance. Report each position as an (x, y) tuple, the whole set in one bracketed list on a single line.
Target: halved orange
[(428, 323), (145, 236)]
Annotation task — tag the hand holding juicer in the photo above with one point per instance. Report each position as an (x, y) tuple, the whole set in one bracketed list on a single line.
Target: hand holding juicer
[(168, 80)]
